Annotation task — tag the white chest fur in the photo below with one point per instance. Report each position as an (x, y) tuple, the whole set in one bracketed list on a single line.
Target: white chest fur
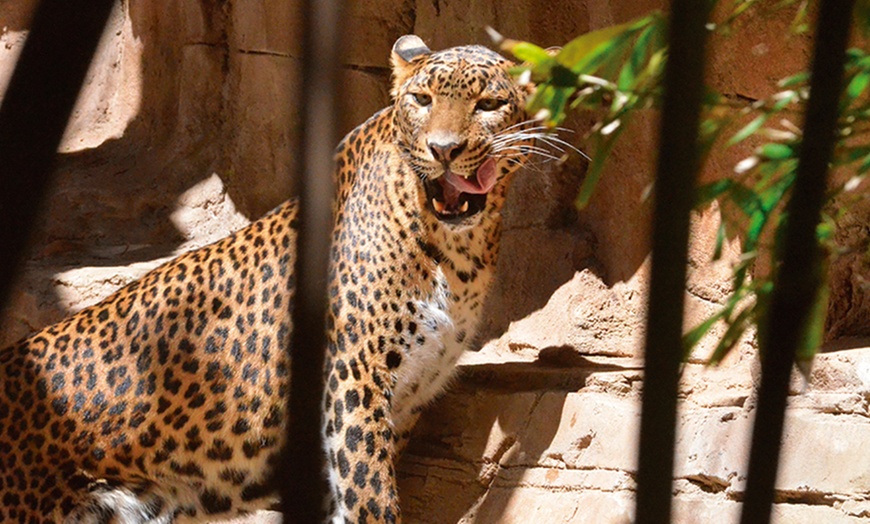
[(447, 318)]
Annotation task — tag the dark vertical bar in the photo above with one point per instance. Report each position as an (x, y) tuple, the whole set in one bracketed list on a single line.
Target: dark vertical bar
[(798, 275), (302, 488), (36, 107), (678, 163)]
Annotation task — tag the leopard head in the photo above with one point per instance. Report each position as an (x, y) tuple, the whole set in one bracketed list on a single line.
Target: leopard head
[(458, 119)]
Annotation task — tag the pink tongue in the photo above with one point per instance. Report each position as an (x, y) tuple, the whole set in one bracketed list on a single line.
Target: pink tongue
[(484, 182)]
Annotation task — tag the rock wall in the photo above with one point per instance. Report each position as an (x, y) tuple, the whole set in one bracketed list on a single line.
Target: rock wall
[(552, 439), (188, 128)]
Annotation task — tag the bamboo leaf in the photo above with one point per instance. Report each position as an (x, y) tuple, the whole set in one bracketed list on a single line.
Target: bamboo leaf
[(737, 327), (857, 152), (776, 151), (561, 76), (786, 98), (553, 99), (654, 67), (691, 339), (579, 51), (609, 58), (721, 233), (772, 196), (629, 72), (826, 229), (858, 84), (796, 79), (748, 130), (745, 199), (593, 173), (753, 232), (709, 192), (527, 52)]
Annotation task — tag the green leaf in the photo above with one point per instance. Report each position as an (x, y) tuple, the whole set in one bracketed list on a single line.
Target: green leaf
[(799, 24), (527, 52), (721, 233), (655, 66), (796, 79), (607, 60), (747, 258), (854, 55), (746, 199), (774, 170), (825, 230), (772, 196), (748, 130), (740, 7), (766, 201), (785, 99), (776, 151), (691, 339), (534, 58), (858, 84), (578, 51), (553, 99), (753, 232), (561, 76), (629, 72), (709, 192), (736, 328), (593, 173), (857, 152)]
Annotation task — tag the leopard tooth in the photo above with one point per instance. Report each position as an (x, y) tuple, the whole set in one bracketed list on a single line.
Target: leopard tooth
[(464, 207), (439, 207)]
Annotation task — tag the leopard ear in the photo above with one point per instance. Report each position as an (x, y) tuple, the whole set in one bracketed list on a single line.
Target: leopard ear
[(405, 50)]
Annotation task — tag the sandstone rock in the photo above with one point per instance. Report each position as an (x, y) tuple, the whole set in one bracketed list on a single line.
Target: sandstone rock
[(375, 25), (849, 273), (263, 128), (56, 284), (570, 456), (584, 314)]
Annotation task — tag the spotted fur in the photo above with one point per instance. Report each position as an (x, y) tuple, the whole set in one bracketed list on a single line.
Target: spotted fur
[(166, 401)]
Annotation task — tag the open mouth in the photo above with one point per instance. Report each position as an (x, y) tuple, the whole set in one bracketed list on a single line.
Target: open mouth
[(453, 197)]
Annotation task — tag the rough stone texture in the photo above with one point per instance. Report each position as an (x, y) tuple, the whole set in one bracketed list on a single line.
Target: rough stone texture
[(55, 282), (187, 129), (849, 273), (527, 439)]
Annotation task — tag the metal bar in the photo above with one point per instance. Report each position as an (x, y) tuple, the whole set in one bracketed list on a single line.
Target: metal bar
[(303, 489), (678, 163), (33, 116), (799, 274)]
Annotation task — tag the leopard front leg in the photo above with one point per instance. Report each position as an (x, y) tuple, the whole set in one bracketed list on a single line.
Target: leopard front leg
[(360, 441)]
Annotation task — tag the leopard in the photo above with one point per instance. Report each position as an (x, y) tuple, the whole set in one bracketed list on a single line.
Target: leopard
[(168, 400)]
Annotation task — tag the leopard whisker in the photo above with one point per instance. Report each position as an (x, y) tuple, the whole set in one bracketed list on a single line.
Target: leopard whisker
[(547, 138), (522, 132), (534, 137), (527, 151), (521, 124), (529, 147)]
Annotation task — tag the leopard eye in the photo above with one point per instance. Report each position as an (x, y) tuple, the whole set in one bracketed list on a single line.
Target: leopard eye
[(489, 104), (422, 99)]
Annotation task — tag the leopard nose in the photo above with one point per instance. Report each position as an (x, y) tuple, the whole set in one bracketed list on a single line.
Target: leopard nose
[(446, 151)]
